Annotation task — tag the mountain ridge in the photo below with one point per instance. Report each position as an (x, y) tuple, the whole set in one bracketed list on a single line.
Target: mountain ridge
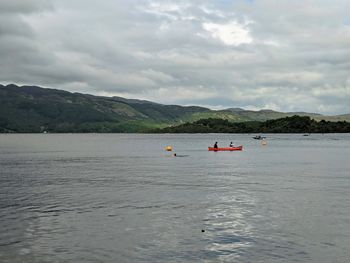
[(37, 109)]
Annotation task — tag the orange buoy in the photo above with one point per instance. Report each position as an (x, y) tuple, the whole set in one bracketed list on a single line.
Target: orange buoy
[(169, 148)]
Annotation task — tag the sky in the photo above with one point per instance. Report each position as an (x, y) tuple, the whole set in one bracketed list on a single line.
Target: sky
[(253, 54)]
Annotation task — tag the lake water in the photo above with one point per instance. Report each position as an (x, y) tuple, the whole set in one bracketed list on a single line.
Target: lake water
[(123, 198)]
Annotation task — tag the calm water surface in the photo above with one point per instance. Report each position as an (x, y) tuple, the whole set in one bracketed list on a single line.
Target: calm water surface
[(122, 198)]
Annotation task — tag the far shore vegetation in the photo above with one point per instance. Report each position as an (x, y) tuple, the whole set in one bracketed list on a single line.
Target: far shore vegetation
[(293, 124)]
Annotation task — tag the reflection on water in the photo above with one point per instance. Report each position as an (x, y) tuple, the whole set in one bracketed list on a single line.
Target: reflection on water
[(229, 232), (119, 198)]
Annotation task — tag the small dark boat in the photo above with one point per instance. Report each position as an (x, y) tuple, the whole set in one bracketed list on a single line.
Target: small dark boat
[(259, 137)]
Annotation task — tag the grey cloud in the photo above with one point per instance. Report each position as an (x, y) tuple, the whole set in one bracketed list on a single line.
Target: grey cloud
[(23, 6), (13, 26)]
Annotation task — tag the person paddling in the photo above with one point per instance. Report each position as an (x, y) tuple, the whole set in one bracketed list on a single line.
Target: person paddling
[(216, 145), (231, 144)]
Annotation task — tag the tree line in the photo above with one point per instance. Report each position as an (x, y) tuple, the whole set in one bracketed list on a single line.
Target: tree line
[(293, 124)]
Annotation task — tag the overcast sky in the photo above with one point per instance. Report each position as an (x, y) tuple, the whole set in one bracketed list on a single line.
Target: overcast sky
[(255, 54)]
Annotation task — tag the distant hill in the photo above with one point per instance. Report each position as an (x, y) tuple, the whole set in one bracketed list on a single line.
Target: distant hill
[(36, 109), (263, 115), (343, 117)]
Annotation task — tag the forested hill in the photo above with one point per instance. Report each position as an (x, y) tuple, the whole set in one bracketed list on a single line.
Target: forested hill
[(294, 124), (35, 109)]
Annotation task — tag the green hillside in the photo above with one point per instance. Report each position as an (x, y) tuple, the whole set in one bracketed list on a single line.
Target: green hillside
[(35, 109)]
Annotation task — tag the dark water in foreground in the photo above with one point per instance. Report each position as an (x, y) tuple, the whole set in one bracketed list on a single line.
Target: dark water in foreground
[(122, 198)]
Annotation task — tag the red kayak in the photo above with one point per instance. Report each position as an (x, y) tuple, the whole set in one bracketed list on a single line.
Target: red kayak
[(238, 148)]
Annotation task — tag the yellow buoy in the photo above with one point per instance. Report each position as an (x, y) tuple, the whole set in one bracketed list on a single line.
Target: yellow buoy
[(169, 148)]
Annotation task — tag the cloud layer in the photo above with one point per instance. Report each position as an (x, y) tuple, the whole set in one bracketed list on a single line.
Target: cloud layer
[(288, 56)]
